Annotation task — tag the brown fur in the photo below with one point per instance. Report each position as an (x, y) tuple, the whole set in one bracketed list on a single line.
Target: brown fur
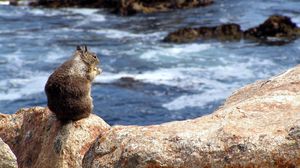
[(68, 89)]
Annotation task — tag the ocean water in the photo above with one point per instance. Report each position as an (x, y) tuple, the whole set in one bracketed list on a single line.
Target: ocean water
[(144, 81)]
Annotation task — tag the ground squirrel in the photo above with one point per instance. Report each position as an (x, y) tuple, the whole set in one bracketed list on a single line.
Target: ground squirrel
[(68, 89)]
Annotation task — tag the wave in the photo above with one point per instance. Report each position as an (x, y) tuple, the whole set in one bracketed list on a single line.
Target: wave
[(42, 12), (19, 87), (88, 14), (119, 34), (209, 84), (198, 100), (177, 51), (82, 11), (296, 19)]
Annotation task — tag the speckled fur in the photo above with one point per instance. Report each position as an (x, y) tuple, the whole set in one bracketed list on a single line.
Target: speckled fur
[(68, 89)]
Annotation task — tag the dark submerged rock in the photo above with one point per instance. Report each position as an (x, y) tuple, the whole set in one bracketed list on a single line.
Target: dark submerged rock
[(128, 82)]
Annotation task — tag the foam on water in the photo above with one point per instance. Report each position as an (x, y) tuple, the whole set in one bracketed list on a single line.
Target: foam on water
[(118, 34), (198, 100), (43, 12), (56, 53), (179, 77), (209, 84), (82, 11), (89, 15), (176, 51), (296, 19), (4, 2), (19, 88)]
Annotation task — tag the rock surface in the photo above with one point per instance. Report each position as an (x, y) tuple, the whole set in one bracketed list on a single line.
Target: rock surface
[(38, 139), (7, 157), (276, 29), (77, 3), (222, 32), (275, 26), (258, 126), (128, 7)]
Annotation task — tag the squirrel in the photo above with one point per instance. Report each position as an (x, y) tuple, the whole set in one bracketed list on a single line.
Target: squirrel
[(68, 88)]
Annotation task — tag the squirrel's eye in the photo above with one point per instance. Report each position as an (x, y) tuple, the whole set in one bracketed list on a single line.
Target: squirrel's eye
[(94, 56)]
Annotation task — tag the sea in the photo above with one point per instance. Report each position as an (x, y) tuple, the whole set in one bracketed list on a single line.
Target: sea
[(144, 81)]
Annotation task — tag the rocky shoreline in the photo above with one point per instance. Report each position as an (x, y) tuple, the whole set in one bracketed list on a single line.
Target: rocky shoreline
[(258, 126), (277, 29)]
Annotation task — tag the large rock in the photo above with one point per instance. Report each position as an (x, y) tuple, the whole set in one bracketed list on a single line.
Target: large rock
[(130, 7), (7, 158), (222, 32), (127, 7), (258, 126), (76, 3), (276, 29), (38, 139)]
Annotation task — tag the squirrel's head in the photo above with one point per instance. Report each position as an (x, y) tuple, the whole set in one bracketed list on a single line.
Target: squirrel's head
[(87, 57)]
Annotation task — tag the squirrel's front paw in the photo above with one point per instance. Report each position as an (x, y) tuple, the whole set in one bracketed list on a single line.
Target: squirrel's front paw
[(99, 70)]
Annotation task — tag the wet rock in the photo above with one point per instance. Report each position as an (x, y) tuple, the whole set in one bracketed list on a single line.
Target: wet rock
[(275, 26), (38, 139), (22, 2), (77, 3), (124, 82), (7, 158), (258, 126), (223, 32), (128, 7), (127, 82), (275, 30)]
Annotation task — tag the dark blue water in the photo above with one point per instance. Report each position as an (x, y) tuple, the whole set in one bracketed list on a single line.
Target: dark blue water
[(145, 81)]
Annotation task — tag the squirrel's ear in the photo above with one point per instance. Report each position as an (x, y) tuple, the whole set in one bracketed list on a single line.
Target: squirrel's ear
[(78, 48), (85, 48), (82, 48)]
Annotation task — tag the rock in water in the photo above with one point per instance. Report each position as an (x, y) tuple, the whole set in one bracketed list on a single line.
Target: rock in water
[(39, 140), (276, 26), (7, 158), (276, 29), (258, 126), (127, 7), (131, 7), (224, 32)]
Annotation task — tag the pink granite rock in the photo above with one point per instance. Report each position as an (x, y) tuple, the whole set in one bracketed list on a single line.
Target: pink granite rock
[(258, 126), (7, 157), (39, 140)]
